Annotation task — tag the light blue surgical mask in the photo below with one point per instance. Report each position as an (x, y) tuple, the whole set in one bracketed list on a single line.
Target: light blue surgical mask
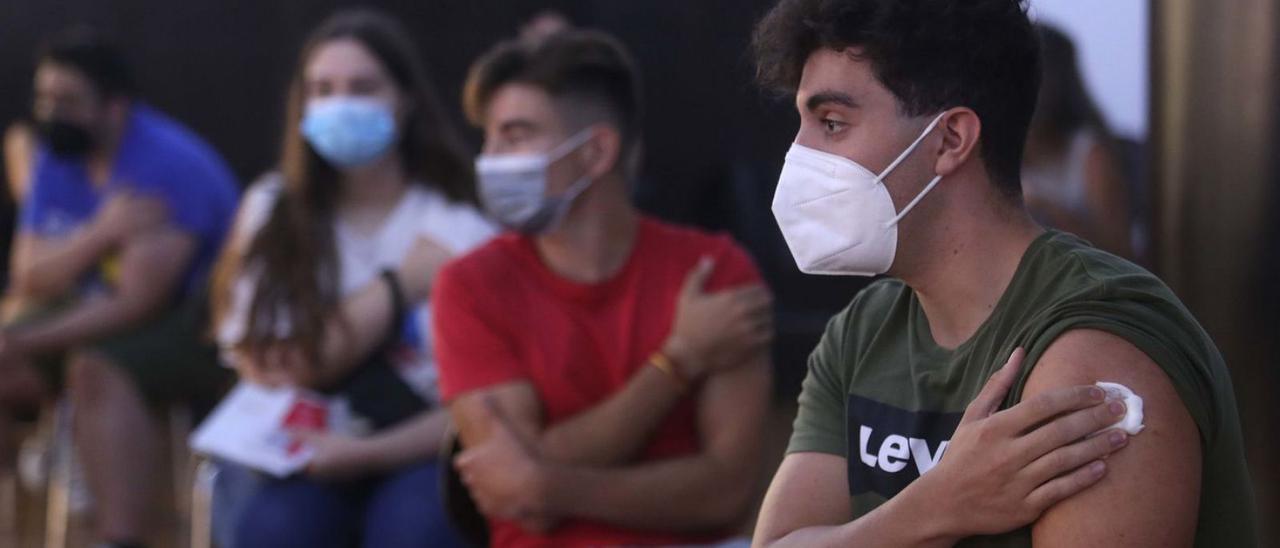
[(513, 187), (348, 131)]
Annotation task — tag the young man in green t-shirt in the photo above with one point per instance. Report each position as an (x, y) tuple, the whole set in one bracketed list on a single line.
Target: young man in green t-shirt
[(913, 115)]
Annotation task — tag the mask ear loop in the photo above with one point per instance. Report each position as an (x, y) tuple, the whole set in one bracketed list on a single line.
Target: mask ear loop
[(903, 156), (915, 201), (910, 149), (563, 149)]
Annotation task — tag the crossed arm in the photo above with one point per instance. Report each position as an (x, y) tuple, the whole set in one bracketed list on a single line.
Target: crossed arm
[(151, 267), (1143, 495), (47, 268), (580, 476)]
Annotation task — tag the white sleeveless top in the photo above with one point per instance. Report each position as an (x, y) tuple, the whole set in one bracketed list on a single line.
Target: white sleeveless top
[(423, 212), (1062, 182)]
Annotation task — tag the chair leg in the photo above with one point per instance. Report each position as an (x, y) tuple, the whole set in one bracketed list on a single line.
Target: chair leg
[(182, 466), (58, 511), (206, 474), (9, 527)]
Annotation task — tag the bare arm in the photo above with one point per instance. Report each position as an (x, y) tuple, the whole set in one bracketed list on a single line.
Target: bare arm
[(613, 431), (1151, 495), (808, 505), (609, 433), (711, 331), (1000, 471), (344, 457), (368, 313), (363, 322), (151, 268), (416, 439), (706, 490), (46, 268)]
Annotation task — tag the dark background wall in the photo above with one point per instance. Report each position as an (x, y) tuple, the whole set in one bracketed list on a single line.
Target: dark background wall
[(221, 66), (714, 142)]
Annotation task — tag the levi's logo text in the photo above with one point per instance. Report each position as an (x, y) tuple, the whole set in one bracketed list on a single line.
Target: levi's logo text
[(890, 447)]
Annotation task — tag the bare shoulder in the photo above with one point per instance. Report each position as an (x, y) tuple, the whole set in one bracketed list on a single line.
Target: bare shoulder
[(1150, 496), (1089, 355)]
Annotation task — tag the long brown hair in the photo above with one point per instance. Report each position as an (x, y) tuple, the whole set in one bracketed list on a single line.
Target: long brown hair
[(1064, 105), (295, 248)]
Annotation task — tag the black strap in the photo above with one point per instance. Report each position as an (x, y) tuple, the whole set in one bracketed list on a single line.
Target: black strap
[(398, 309)]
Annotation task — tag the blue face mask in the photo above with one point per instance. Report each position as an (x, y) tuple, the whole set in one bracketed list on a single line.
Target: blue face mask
[(348, 131)]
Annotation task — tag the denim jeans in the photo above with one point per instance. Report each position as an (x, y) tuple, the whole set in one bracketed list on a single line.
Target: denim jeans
[(401, 509)]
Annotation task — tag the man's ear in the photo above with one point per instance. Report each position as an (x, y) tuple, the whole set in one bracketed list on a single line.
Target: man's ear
[(961, 129), (602, 153)]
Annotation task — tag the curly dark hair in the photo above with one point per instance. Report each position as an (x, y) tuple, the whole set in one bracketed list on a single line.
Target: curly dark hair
[(931, 54)]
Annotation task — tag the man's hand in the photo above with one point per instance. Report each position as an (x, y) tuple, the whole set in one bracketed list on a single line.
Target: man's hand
[(1003, 469), (128, 213), (713, 331), (1000, 471), (503, 475), (1151, 495)]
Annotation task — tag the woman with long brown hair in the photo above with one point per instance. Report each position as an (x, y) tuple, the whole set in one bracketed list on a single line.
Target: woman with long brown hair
[(323, 287)]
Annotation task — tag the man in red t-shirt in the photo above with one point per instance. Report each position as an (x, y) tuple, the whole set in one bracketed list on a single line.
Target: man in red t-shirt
[(607, 372)]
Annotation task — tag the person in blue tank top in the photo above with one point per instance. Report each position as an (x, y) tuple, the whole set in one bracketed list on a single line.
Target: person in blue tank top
[(125, 213)]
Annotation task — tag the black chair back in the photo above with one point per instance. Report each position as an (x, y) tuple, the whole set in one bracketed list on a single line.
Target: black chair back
[(461, 510)]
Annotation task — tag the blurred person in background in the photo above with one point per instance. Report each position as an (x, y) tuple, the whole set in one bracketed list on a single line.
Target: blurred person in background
[(1071, 173), (325, 281), (119, 225), (913, 117), (608, 372)]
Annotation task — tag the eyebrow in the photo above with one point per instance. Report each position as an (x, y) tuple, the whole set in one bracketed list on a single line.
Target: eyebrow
[(517, 124), (824, 97)]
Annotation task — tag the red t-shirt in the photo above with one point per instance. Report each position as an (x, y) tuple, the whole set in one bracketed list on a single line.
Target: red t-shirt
[(502, 316)]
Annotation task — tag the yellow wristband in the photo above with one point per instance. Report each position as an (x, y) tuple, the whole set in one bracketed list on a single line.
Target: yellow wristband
[(665, 365)]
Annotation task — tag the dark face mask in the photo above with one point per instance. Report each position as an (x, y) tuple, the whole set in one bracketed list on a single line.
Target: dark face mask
[(65, 138)]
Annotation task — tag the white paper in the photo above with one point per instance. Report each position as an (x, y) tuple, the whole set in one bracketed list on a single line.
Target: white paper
[(247, 428)]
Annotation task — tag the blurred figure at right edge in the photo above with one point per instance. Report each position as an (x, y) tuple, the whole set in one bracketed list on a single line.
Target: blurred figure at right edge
[(1072, 178)]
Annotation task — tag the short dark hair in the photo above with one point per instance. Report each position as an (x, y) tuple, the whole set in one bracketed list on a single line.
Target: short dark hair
[(587, 67), (93, 54), (931, 54)]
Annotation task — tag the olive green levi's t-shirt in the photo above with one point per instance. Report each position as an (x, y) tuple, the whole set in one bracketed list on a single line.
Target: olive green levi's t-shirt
[(883, 395)]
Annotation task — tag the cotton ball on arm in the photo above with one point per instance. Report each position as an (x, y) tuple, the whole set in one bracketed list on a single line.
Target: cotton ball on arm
[(1132, 421)]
